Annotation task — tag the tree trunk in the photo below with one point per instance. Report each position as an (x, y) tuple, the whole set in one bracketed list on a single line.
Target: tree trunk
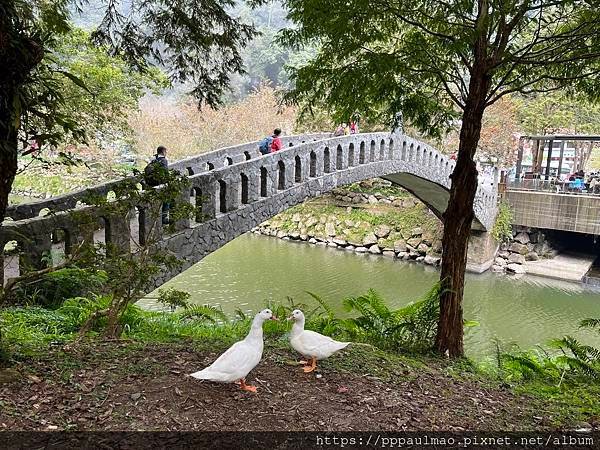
[(8, 155), (457, 222)]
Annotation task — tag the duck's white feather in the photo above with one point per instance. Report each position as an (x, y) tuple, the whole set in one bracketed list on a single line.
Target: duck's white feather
[(239, 359), (234, 364), (312, 344)]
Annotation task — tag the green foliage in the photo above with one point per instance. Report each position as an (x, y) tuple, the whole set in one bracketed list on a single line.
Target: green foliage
[(109, 87), (411, 328), (173, 298), (575, 361), (55, 287), (502, 230), (365, 64), (204, 313), (554, 112)]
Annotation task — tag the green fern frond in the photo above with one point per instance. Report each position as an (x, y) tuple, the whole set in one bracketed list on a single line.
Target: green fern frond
[(240, 315), (321, 301), (590, 323), (204, 312)]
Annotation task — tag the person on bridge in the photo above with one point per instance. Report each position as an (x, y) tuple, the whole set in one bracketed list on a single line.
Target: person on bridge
[(276, 145), (155, 174)]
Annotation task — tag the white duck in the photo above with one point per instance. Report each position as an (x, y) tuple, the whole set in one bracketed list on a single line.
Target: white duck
[(311, 344), (243, 356)]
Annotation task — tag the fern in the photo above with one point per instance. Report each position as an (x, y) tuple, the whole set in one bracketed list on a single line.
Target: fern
[(204, 312), (322, 303), (590, 323)]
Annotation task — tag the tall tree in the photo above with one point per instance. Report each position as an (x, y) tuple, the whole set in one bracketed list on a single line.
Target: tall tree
[(436, 60), (195, 41)]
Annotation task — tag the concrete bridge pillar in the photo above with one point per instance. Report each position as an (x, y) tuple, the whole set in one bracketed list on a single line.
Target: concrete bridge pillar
[(118, 238), (481, 252), (35, 251), (253, 187), (183, 198), (209, 200), (232, 194)]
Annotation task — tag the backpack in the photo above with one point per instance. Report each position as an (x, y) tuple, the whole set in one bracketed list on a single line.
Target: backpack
[(264, 146), (154, 173)]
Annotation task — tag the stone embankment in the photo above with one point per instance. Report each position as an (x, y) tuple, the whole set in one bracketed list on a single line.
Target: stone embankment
[(396, 226), (527, 244), (416, 245)]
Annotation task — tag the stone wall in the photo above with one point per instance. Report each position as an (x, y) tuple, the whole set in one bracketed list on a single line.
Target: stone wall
[(527, 244)]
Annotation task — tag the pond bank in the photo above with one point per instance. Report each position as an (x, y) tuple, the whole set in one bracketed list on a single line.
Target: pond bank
[(130, 385)]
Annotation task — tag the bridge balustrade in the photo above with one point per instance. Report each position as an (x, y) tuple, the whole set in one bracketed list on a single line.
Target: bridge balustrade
[(233, 184)]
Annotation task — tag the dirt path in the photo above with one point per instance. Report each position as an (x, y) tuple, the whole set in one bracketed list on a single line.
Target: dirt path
[(121, 386)]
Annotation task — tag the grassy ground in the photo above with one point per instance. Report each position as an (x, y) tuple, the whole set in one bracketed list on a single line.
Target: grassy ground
[(143, 386), (141, 383)]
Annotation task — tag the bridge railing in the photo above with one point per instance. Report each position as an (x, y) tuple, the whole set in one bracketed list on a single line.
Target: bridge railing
[(313, 163), (197, 164)]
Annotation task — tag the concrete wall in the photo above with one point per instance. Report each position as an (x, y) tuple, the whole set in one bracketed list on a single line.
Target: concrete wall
[(579, 213)]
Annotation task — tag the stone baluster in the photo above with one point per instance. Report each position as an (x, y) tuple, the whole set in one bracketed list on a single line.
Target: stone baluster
[(209, 199)]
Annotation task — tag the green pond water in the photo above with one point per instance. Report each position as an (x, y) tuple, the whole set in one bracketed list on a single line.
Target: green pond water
[(252, 269)]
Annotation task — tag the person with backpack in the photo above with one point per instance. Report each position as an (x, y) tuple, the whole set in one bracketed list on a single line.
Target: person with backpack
[(156, 173), (271, 143)]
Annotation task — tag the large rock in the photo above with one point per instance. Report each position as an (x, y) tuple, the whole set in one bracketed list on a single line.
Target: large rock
[(417, 231), (400, 245), (329, 229), (389, 254), (372, 200), (312, 240), (349, 223), (515, 247), (361, 249), (369, 239), (516, 258), (422, 248), (522, 238), (403, 255), (374, 249), (504, 254), (432, 260), (295, 235), (414, 242), (516, 268), (533, 256), (281, 234), (311, 221), (339, 241), (382, 231), (296, 217), (500, 261)]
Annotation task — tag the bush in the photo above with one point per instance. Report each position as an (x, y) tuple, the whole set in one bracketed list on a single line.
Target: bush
[(52, 289), (502, 230)]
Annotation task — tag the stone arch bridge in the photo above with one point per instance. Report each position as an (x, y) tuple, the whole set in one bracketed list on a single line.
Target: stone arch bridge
[(239, 188)]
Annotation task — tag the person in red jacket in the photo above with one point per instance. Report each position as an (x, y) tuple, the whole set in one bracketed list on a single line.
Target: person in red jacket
[(276, 145)]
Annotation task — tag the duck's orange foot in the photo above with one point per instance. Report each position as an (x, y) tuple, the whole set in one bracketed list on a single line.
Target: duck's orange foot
[(312, 367), (247, 387)]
